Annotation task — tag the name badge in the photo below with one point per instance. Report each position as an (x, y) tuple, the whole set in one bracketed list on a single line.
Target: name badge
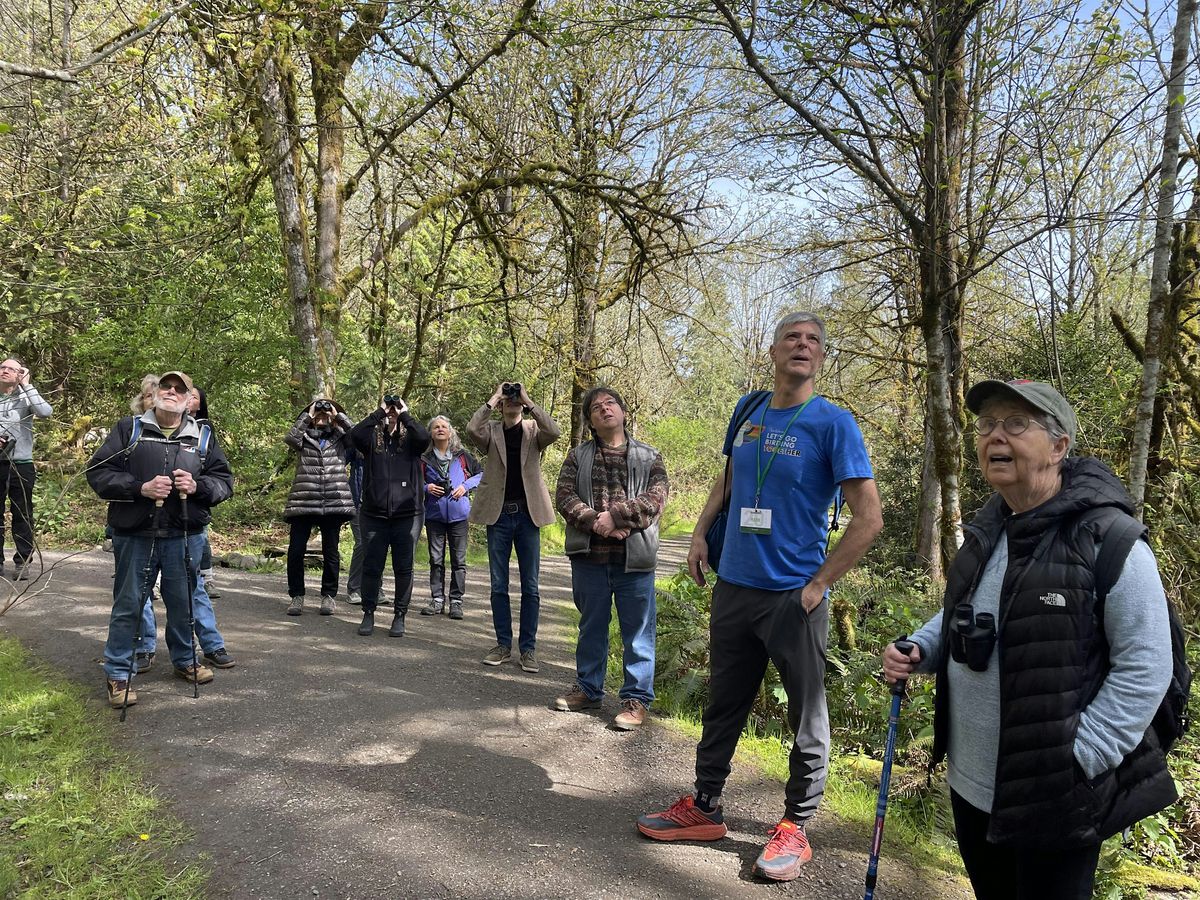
[(756, 521)]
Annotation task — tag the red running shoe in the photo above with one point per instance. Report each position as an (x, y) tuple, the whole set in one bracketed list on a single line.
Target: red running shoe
[(684, 821), (786, 852)]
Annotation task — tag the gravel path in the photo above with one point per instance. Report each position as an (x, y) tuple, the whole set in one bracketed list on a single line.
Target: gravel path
[(330, 765)]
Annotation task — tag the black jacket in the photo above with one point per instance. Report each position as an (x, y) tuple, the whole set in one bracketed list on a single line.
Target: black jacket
[(393, 482), (1053, 660), (117, 472), (321, 486)]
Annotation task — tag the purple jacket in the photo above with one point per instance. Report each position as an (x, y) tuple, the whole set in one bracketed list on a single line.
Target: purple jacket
[(465, 471)]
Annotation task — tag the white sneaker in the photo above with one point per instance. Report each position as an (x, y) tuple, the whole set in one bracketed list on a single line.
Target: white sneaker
[(354, 599)]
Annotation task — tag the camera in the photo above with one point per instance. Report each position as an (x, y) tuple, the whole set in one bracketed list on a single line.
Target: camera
[(512, 390), (972, 637)]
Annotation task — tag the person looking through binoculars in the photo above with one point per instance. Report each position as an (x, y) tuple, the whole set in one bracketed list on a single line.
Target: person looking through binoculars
[(319, 498), (514, 504), (162, 475), (391, 442)]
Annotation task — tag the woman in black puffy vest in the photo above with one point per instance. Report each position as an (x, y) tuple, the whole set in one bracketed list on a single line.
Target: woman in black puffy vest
[(319, 498), (1045, 695)]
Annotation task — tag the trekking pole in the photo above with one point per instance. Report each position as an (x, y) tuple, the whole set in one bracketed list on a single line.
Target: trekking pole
[(145, 594), (906, 647), (187, 572)]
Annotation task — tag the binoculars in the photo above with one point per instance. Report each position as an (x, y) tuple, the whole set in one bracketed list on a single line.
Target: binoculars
[(322, 406), (392, 400), (972, 637), (512, 390), (446, 487)]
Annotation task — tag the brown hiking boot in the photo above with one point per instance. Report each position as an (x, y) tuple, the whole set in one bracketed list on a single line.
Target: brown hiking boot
[(632, 715), (116, 693), (575, 700), (197, 673)]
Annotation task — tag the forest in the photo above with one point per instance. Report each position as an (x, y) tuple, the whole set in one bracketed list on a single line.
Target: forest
[(347, 198)]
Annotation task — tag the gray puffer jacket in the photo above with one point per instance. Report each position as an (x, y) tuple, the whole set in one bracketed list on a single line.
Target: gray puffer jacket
[(321, 486)]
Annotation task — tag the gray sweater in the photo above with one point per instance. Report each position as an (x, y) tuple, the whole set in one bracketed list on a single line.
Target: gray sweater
[(1135, 623), (17, 411)]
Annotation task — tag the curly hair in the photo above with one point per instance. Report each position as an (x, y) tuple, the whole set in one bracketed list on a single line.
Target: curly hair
[(455, 441)]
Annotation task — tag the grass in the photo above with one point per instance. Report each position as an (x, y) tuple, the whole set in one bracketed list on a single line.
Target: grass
[(76, 818)]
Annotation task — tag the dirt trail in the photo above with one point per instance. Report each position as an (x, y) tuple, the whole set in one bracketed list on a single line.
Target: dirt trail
[(330, 765)]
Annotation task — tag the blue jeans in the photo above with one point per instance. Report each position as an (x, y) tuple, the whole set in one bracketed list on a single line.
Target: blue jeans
[(380, 535), (515, 529), (136, 568), (595, 587), (206, 622)]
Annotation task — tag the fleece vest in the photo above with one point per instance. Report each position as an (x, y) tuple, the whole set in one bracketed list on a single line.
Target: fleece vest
[(641, 547)]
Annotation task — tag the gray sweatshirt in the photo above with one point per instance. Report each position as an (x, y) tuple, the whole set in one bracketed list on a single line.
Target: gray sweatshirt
[(1139, 637), (17, 411)]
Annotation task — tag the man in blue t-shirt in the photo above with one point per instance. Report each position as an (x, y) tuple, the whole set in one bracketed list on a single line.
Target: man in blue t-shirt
[(789, 452)]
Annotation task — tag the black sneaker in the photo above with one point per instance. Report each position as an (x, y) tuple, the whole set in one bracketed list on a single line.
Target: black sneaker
[(456, 611), (219, 658), (143, 662), (433, 608)]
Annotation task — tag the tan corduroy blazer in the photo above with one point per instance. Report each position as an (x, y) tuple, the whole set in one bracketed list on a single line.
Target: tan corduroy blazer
[(539, 432)]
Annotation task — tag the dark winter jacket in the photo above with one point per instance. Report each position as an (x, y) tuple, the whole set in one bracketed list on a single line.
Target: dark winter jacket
[(117, 472), (393, 481), (321, 486), (463, 470), (1053, 660)]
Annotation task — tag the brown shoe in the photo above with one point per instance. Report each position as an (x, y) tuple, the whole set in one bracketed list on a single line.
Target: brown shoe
[(199, 674), (632, 715), (575, 700), (116, 693)]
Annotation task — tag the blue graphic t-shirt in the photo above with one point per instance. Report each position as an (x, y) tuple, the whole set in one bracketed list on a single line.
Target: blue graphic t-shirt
[(822, 448)]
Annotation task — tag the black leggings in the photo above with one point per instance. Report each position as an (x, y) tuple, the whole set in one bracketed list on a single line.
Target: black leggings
[(302, 527), (1019, 873)]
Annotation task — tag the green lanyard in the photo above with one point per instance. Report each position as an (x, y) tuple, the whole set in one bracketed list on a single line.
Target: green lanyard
[(762, 472)]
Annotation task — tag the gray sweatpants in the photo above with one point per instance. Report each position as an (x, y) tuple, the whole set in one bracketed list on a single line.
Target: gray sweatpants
[(747, 628)]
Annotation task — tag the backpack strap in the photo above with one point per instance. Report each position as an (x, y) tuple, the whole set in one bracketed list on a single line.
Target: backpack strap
[(205, 440), (135, 434), (1123, 532)]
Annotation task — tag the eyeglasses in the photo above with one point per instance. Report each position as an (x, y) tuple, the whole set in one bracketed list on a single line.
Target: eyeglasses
[(10, 368), (1013, 425), (603, 404), (174, 387)]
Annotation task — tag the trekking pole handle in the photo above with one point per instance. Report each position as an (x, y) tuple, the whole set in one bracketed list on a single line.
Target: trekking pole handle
[(905, 646)]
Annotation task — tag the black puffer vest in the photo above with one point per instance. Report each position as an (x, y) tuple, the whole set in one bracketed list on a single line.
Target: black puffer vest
[(1053, 659)]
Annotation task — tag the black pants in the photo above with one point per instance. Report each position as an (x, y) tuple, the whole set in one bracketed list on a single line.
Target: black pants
[(1017, 873), (302, 526), (380, 535), (440, 534), (747, 628), (16, 484)]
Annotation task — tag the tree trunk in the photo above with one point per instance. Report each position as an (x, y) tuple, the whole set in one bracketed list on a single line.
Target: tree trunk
[(583, 260), (939, 252), (1155, 310), (281, 155)]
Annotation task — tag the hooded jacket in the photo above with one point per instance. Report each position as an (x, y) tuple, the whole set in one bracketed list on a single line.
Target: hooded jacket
[(117, 472), (321, 486), (393, 480)]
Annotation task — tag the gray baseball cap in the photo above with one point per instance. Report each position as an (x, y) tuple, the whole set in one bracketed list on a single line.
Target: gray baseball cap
[(1037, 394)]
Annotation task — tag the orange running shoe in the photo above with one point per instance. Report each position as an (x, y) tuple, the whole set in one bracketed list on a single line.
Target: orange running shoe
[(786, 852), (684, 821)]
